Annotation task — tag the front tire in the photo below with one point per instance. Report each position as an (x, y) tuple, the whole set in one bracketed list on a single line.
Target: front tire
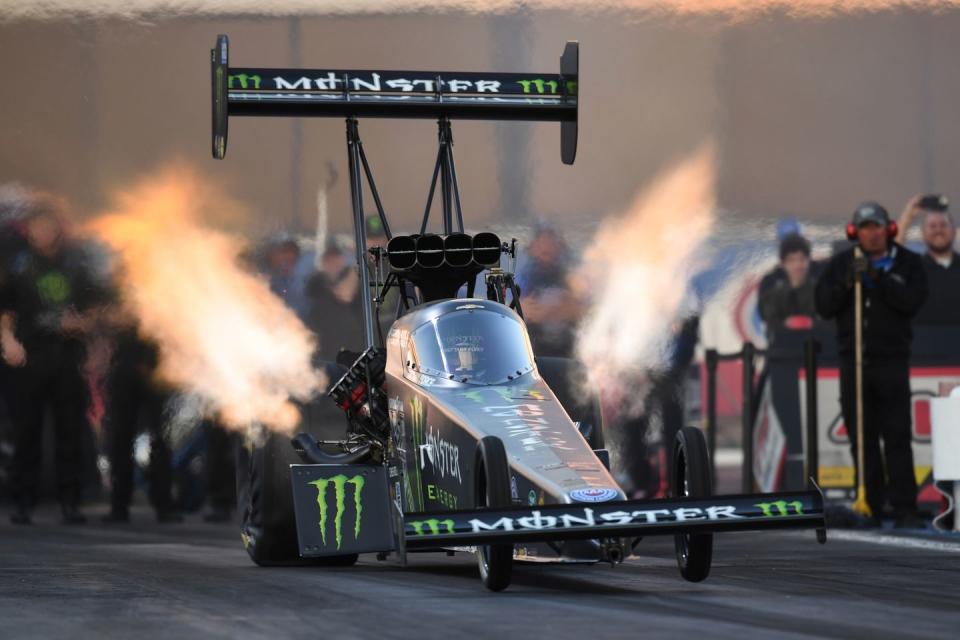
[(493, 490), (690, 476)]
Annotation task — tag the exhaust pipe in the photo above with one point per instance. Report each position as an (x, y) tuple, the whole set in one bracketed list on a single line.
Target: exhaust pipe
[(402, 252), (486, 249), (430, 251), (458, 250)]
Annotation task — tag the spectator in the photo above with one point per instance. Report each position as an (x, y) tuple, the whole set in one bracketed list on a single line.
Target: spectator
[(894, 288), (549, 306), (134, 398), (41, 330), (334, 311), (788, 302), (282, 256), (940, 260)]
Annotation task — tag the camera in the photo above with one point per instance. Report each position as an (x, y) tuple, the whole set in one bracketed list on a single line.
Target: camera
[(934, 202)]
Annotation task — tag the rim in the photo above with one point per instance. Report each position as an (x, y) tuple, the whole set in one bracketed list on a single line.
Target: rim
[(683, 485)]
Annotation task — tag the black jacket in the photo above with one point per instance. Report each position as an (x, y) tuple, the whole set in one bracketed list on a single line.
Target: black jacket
[(888, 306)]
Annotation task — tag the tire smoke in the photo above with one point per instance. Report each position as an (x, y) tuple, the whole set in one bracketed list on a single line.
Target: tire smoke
[(635, 272), (222, 334)]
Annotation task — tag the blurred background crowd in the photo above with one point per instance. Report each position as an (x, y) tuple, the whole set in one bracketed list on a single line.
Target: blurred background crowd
[(85, 417)]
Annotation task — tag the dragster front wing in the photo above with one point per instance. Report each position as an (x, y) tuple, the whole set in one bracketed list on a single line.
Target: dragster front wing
[(342, 509), (620, 519)]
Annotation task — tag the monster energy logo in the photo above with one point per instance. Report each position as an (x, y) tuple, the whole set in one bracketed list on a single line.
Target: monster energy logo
[(416, 418), (433, 525), (243, 80), (541, 86), (340, 483), (780, 508)]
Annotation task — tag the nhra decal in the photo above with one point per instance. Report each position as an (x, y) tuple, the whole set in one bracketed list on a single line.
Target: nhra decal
[(339, 483), (597, 494)]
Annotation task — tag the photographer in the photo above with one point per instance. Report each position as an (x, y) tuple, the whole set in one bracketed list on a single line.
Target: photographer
[(894, 287), (940, 261)]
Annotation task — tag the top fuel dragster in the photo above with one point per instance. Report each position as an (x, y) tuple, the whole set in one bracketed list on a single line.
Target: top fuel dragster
[(457, 436)]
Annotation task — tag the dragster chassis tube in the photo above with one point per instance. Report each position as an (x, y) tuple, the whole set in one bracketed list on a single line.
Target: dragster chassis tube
[(636, 518)]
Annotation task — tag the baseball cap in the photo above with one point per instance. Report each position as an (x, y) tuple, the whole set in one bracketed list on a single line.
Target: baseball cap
[(870, 212)]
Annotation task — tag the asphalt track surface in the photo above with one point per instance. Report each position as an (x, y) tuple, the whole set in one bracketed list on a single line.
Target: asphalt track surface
[(194, 581)]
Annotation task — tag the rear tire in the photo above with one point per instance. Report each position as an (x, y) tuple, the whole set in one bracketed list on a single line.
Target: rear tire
[(265, 497), (493, 490), (690, 476)]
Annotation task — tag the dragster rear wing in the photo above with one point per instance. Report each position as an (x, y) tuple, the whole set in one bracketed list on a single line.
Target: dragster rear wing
[(395, 94)]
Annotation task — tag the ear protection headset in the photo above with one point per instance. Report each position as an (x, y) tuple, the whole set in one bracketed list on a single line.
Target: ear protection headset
[(866, 212), (892, 230)]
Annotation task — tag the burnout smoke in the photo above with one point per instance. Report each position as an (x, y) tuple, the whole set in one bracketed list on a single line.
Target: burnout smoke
[(636, 270), (222, 334), (147, 9)]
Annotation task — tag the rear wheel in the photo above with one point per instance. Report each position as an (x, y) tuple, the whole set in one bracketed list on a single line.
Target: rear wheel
[(264, 495), (690, 476), (493, 490)]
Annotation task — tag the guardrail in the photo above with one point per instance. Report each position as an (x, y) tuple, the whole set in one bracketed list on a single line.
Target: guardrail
[(748, 356)]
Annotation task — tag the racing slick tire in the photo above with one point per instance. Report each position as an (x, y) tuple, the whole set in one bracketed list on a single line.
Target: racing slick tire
[(264, 495), (561, 375), (690, 476), (493, 490)]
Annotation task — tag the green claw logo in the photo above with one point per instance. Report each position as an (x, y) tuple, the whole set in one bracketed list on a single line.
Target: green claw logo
[(53, 287), (243, 80), (340, 483), (433, 524), (780, 508)]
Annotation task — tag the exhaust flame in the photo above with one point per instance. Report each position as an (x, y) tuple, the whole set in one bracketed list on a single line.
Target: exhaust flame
[(737, 9), (636, 268), (222, 334)]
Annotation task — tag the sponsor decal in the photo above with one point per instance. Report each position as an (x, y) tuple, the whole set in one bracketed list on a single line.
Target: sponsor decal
[(532, 497), (339, 483), (417, 424), (539, 85), (514, 492), (433, 526), (443, 456), (780, 508), (594, 494), (586, 518), (243, 81), (470, 306), (53, 287), (441, 496), (526, 423)]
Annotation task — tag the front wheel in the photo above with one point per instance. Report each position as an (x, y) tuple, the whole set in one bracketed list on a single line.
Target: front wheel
[(493, 490), (690, 477)]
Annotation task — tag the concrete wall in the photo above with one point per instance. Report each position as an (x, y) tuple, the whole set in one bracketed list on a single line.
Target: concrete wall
[(810, 116)]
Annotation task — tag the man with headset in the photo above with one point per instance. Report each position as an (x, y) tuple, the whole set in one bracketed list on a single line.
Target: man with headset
[(894, 287)]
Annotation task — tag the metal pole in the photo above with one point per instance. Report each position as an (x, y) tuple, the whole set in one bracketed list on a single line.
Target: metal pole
[(373, 191), (445, 194), (810, 350), (712, 358), (747, 416), (359, 228)]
